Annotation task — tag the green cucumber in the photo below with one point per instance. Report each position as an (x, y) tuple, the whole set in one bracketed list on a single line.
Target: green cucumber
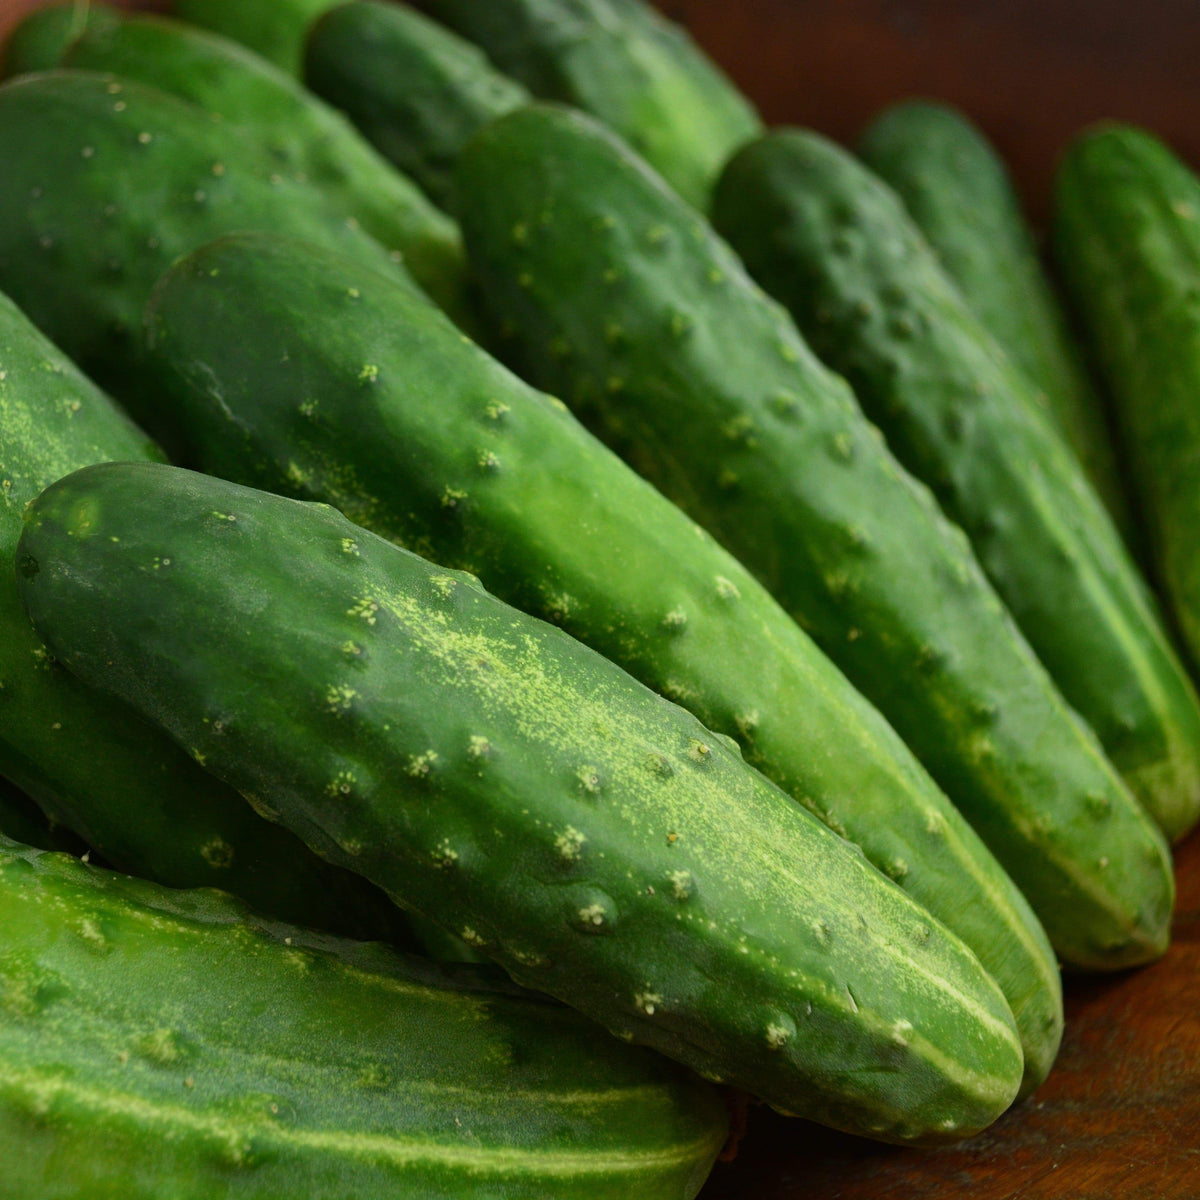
[(625, 63), (39, 41), (957, 189), (416, 91), (295, 131), (1127, 239), (171, 1044), (23, 821), (95, 766), (299, 373), (833, 243), (105, 183), (619, 298), (273, 29), (501, 779)]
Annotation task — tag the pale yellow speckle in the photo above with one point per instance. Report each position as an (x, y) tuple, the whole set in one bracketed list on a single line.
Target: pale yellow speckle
[(727, 589), (681, 884), (366, 608), (593, 915), (777, 1036), (420, 765), (495, 410), (479, 747), (338, 698), (369, 373), (342, 784), (569, 843), (350, 546), (452, 497), (589, 779), (648, 1002)]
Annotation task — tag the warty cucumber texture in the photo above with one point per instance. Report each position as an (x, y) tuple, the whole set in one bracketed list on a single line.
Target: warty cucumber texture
[(300, 373), (833, 243), (957, 189), (157, 1044), (494, 775), (617, 297), (295, 132), (92, 763)]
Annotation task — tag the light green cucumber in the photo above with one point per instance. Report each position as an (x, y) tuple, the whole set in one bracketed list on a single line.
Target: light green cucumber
[(39, 41), (273, 29), (505, 781), (295, 133), (105, 183), (958, 191), (625, 63), (1127, 238), (834, 244), (157, 1044), (91, 763), (416, 91), (297, 372), (617, 297)]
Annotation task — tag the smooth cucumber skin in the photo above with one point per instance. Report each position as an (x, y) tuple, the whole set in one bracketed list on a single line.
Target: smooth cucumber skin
[(1127, 242), (163, 1045), (626, 64), (302, 374), (416, 91), (957, 189), (93, 764), (498, 777), (105, 183), (618, 298), (833, 243), (273, 29), (39, 41), (297, 133)]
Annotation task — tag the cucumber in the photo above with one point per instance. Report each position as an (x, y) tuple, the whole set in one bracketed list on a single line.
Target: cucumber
[(618, 298), (94, 765), (958, 191), (39, 41), (299, 373), (23, 821), (501, 779), (171, 1044), (1126, 239), (105, 183), (273, 29), (626, 64), (834, 244), (416, 91), (294, 131)]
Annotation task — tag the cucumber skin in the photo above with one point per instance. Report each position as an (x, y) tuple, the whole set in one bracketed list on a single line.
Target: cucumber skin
[(625, 63), (93, 765), (273, 29), (833, 243), (712, 394), (501, 779), (96, 200), (415, 90), (23, 821), (296, 132), (958, 191), (1126, 242), (559, 527), (266, 1061), (39, 41)]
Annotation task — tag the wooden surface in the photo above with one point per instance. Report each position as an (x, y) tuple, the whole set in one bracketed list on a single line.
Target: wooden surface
[(1120, 1115)]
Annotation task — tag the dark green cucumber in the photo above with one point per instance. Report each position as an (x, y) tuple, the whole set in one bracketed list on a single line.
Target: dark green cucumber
[(957, 189), (105, 183), (39, 41), (299, 373), (296, 132), (23, 821), (160, 1044), (273, 29), (1127, 238), (500, 778), (619, 298), (833, 243), (94, 765), (417, 91), (625, 63)]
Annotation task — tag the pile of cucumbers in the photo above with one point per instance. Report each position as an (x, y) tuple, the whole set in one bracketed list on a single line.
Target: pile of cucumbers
[(504, 551)]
